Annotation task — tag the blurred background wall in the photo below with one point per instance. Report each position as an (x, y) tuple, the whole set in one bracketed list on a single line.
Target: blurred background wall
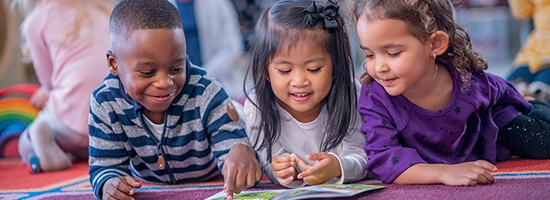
[(11, 69), (490, 23)]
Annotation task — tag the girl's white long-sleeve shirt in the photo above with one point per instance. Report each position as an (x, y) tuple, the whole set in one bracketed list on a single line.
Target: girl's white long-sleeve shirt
[(305, 138)]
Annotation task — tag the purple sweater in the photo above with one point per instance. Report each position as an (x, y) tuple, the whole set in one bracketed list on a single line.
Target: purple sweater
[(401, 134)]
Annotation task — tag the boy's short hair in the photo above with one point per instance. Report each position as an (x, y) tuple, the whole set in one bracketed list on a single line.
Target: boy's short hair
[(130, 15)]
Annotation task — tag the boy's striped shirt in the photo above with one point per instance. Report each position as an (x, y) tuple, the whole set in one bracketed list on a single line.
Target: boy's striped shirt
[(199, 134)]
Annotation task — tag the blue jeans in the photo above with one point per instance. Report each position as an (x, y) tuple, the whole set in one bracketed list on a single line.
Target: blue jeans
[(523, 74)]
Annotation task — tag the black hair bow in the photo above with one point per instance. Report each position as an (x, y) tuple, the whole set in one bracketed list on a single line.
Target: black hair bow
[(327, 13)]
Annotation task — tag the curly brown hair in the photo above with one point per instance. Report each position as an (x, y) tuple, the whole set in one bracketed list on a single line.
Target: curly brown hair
[(424, 17)]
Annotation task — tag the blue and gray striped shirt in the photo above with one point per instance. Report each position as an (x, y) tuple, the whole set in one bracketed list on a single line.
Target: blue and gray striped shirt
[(198, 134)]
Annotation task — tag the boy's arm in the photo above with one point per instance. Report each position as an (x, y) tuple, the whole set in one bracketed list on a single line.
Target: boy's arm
[(108, 158), (220, 129), (237, 161)]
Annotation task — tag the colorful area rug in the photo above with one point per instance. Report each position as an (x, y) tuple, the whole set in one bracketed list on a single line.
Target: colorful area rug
[(516, 179)]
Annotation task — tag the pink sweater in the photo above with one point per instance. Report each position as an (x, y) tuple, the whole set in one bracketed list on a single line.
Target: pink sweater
[(70, 72)]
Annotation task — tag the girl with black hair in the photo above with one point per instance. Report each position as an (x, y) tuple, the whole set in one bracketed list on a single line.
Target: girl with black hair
[(302, 115)]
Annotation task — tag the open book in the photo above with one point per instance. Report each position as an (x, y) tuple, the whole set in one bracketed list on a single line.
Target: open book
[(317, 191)]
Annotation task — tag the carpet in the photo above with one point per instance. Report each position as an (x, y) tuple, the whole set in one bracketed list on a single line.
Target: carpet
[(516, 179)]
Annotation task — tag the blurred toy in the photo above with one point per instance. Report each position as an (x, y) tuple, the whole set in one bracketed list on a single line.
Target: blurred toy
[(16, 113)]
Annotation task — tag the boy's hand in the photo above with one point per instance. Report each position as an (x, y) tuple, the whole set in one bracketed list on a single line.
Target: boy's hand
[(326, 168), (241, 169), (469, 173), (120, 187), (283, 167)]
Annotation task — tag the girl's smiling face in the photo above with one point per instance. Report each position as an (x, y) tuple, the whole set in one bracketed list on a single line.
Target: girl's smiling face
[(395, 58), (151, 65), (301, 78)]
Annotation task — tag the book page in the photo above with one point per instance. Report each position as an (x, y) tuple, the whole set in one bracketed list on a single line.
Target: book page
[(318, 191)]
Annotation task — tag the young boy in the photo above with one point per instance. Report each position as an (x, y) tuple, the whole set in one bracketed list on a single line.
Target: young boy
[(157, 117)]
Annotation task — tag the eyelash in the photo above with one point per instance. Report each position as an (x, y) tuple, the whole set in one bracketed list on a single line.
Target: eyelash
[(174, 70), (314, 71), (389, 54), (283, 72), (394, 54), (148, 74)]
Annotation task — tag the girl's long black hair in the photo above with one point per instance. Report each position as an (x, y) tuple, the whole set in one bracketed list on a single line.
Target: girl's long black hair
[(282, 26)]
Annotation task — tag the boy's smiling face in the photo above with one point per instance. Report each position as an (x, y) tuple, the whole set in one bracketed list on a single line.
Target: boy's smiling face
[(151, 65)]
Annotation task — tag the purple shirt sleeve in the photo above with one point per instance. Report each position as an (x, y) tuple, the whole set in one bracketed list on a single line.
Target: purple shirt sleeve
[(387, 158)]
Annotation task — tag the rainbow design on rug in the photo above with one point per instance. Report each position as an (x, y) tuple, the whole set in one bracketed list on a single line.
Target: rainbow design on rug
[(515, 178), (16, 113)]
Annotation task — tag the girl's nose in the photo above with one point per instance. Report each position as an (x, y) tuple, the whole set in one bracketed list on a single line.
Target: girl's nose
[(380, 66), (299, 79)]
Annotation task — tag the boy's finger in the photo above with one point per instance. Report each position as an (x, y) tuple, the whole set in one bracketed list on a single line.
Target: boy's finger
[(240, 181), (258, 174), (250, 179), (130, 180), (229, 196), (116, 193), (122, 186), (230, 183)]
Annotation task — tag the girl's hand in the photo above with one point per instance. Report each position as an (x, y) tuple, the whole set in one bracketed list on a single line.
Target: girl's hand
[(283, 168), (326, 168), (469, 173), (39, 98), (120, 188)]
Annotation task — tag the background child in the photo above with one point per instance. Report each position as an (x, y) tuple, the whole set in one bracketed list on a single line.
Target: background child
[(67, 40), (532, 75), (431, 114), (303, 108), (213, 40), (157, 117)]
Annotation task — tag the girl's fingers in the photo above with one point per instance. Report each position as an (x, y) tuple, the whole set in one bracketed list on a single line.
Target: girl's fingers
[(284, 173), (281, 159), (485, 165), (489, 177), (317, 156), (302, 164), (285, 180), (310, 171), (281, 166)]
